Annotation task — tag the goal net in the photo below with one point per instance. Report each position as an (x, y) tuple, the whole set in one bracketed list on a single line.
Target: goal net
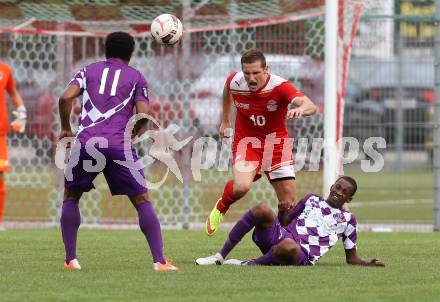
[(186, 83)]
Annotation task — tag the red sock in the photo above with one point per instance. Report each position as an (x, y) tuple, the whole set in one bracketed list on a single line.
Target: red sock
[(227, 198), (2, 198)]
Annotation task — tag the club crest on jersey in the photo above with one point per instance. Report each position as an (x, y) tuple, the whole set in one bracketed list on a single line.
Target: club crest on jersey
[(272, 105), (314, 203)]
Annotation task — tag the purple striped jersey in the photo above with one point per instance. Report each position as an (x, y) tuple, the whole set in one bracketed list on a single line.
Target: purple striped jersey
[(110, 89), (317, 226)]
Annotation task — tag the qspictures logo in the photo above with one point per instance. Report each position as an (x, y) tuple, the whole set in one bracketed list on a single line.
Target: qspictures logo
[(206, 151)]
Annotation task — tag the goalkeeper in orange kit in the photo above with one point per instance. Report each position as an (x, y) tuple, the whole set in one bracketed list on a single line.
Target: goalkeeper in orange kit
[(18, 125)]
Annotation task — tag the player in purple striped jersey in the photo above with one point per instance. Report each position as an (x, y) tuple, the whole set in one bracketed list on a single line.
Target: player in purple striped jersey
[(111, 91), (313, 226)]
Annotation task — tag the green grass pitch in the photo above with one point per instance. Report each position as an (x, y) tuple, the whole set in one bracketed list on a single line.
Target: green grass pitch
[(116, 267)]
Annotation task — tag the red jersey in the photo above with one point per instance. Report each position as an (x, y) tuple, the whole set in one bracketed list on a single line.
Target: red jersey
[(264, 111), (6, 84)]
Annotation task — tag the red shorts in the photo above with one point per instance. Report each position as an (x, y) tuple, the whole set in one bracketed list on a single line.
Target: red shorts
[(276, 165), (4, 159)]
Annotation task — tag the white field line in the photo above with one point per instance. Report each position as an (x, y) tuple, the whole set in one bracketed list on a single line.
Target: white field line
[(359, 204), (364, 227)]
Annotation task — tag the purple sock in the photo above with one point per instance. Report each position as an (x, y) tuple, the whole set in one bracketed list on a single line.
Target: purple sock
[(266, 259), (241, 228), (150, 226), (70, 221)]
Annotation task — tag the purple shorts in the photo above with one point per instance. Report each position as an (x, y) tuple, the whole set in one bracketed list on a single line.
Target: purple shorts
[(122, 180), (266, 238)]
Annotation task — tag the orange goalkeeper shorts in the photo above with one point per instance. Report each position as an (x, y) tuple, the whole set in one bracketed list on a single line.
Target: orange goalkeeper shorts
[(4, 159)]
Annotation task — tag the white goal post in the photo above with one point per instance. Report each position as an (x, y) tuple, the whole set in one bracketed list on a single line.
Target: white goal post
[(331, 150)]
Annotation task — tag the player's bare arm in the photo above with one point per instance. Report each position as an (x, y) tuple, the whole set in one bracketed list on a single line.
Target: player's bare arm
[(65, 107), (284, 208), (226, 114), (353, 259), (141, 107), (16, 98), (303, 107), (19, 123)]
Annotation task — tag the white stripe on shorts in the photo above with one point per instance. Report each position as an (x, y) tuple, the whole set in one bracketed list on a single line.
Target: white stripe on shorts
[(282, 172)]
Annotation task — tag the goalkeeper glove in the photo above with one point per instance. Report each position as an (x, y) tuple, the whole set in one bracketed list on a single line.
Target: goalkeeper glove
[(19, 124)]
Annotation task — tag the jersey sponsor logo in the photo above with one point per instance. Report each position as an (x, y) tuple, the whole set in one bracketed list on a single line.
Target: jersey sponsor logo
[(1, 75), (306, 213), (145, 90), (339, 217), (272, 105), (242, 105), (238, 84)]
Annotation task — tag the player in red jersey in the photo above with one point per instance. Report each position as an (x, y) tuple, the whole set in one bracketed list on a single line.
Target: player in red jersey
[(261, 141), (18, 125)]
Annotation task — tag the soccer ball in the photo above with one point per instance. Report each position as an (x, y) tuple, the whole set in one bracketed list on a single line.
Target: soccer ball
[(166, 29)]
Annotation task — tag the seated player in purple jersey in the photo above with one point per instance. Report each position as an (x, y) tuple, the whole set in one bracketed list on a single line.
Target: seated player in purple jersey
[(111, 92), (311, 228)]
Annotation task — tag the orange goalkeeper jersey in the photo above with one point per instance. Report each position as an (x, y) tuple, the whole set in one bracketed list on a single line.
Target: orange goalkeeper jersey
[(6, 84)]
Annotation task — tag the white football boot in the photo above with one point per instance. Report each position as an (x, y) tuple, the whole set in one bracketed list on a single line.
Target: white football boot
[(216, 259), (235, 262)]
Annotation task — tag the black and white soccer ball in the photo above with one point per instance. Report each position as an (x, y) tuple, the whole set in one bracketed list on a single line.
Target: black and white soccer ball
[(166, 29)]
